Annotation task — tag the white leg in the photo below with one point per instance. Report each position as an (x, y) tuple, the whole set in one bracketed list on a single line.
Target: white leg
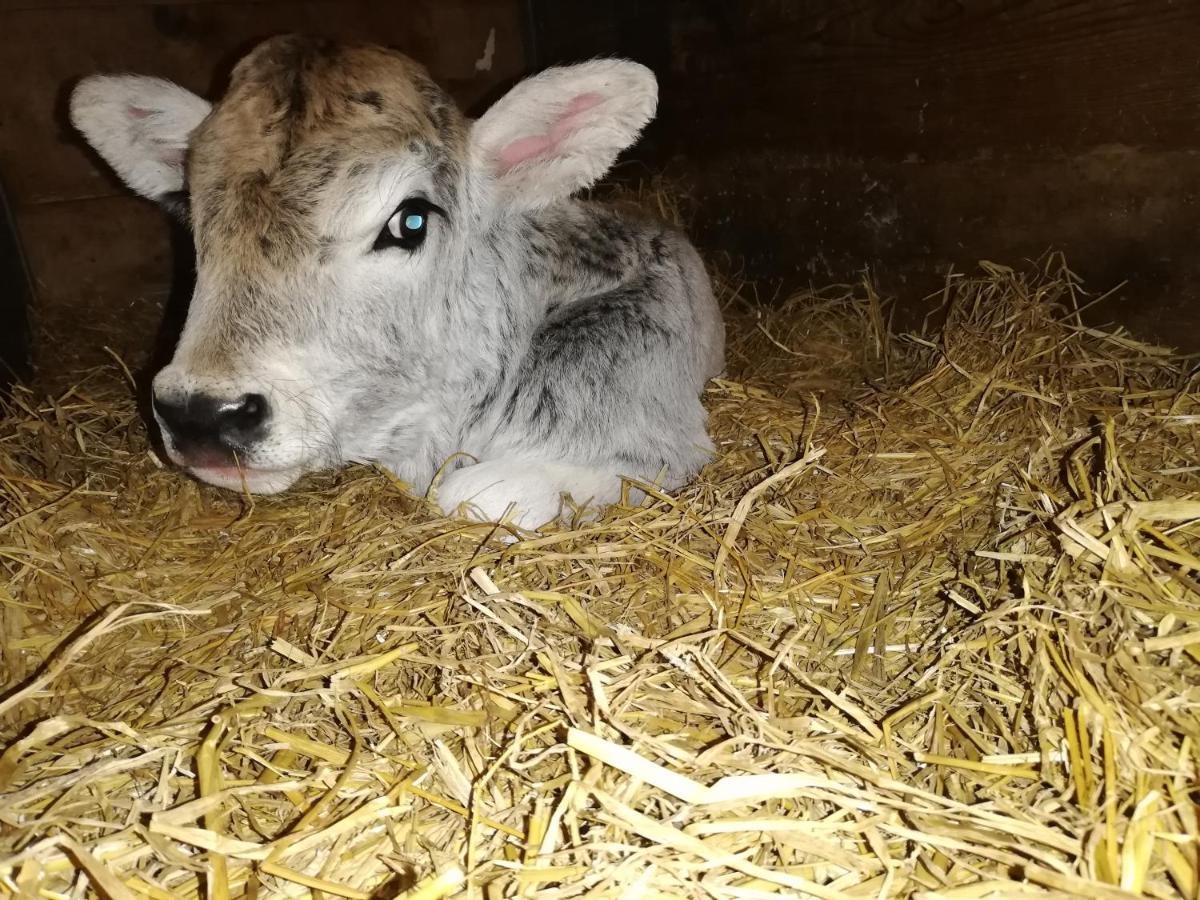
[(527, 493)]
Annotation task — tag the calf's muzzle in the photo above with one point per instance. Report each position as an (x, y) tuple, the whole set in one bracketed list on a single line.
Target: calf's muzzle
[(209, 430)]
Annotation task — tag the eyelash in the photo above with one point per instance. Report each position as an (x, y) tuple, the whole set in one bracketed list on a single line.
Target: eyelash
[(406, 237)]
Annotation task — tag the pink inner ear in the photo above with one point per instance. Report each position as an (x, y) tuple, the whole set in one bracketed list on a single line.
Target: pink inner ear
[(526, 148), (522, 149), (136, 112)]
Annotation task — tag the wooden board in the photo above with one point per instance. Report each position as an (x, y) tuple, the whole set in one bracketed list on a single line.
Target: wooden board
[(822, 137), (25, 5), (905, 78), (1120, 215), (103, 272), (949, 80)]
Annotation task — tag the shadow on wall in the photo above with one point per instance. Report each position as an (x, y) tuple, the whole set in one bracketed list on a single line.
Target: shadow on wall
[(16, 300)]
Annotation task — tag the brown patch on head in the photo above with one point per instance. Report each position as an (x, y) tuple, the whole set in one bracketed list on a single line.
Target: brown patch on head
[(298, 114)]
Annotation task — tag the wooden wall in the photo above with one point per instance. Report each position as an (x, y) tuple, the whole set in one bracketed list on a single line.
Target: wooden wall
[(822, 137), (100, 259), (814, 138)]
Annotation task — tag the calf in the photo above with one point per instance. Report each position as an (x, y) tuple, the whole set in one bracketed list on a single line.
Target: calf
[(381, 280)]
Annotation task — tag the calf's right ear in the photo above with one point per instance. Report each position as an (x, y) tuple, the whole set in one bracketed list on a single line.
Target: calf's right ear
[(140, 126)]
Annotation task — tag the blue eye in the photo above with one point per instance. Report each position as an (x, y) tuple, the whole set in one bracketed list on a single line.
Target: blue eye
[(408, 226)]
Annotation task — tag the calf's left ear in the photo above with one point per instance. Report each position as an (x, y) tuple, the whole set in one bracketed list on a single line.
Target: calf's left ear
[(560, 131), (140, 126)]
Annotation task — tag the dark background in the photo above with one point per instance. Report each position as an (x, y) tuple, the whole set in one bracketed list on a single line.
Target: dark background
[(808, 141), (819, 139)]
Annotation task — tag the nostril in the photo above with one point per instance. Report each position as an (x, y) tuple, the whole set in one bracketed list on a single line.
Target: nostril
[(254, 407), (238, 419)]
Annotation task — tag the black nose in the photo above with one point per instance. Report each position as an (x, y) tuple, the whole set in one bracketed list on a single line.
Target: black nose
[(201, 420)]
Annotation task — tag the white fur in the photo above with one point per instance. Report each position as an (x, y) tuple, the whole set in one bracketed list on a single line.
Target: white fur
[(140, 126), (526, 493)]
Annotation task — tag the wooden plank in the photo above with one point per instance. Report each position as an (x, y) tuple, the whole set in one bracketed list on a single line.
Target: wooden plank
[(25, 5), (904, 78), (457, 52), (818, 138), (102, 272), (944, 81), (1120, 215)]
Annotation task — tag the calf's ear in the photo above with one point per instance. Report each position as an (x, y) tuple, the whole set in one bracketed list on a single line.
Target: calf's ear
[(560, 131), (140, 126)]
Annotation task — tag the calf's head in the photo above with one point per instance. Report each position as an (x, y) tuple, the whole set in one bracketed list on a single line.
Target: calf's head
[(346, 217)]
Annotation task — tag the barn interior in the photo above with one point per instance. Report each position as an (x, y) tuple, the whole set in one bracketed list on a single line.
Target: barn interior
[(928, 626)]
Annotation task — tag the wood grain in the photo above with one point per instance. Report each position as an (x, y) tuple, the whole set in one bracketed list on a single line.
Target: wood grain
[(944, 80), (922, 79), (820, 138), (102, 273), (1120, 215), (25, 5)]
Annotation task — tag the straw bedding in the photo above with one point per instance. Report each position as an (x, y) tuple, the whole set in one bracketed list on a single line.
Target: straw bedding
[(929, 626)]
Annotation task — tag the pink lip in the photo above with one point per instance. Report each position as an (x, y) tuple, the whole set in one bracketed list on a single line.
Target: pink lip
[(235, 472), (257, 481), (221, 473), (229, 475), (228, 471), (220, 470)]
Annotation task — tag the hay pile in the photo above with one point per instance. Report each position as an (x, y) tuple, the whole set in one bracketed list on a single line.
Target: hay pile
[(929, 626)]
